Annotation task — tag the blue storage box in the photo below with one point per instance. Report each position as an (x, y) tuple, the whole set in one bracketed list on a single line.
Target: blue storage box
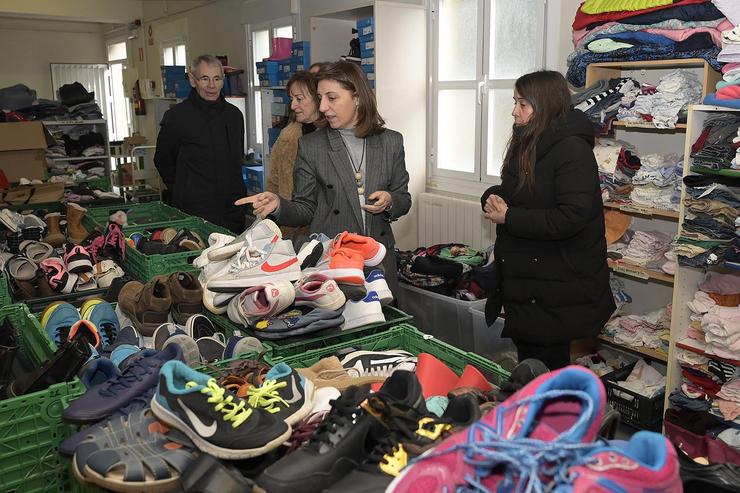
[(269, 79), (182, 89), (255, 173), (305, 61), (368, 52), (367, 42), (268, 67), (272, 135), (280, 96), (368, 60), (297, 67), (301, 49), (284, 81), (279, 109), (284, 67), (365, 26), (368, 69)]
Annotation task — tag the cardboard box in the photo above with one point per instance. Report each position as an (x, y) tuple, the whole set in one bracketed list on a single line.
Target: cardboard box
[(22, 150)]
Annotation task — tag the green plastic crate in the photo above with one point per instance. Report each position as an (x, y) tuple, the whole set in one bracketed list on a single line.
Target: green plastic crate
[(145, 267), (293, 346), (30, 425), (147, 214), (36, 305), (5, 298), (408, 338)]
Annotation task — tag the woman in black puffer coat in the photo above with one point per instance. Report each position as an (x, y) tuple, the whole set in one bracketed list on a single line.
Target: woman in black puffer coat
[(550, 246)]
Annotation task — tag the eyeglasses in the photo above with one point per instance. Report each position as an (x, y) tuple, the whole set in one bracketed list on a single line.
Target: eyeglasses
[(205, 80)]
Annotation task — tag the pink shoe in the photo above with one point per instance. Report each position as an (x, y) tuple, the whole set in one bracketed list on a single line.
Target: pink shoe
[(526, 440), (77, 259), (260, 302), (319, 291), (115, 239), (648, 462), (59, 279)]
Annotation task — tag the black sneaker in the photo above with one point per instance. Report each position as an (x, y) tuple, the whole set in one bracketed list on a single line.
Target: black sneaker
[(411, 435), (343, 441), (218, 422)]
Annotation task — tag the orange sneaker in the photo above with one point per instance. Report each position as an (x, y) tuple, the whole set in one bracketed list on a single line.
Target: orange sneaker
[(371, 251)]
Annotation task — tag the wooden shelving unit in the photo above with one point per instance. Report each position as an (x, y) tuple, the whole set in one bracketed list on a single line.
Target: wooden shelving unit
[(643, 351), (639, 272)]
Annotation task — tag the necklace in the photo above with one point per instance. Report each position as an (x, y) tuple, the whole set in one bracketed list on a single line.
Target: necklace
[(357, 168)]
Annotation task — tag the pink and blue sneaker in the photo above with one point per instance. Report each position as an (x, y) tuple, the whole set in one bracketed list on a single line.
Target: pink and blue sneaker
[(647, 463), (521, 445)]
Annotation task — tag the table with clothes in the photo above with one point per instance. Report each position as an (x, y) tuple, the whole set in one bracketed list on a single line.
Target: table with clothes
[(678, 30)]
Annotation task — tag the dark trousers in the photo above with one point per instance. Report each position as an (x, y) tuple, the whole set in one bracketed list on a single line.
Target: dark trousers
[(553, 357)]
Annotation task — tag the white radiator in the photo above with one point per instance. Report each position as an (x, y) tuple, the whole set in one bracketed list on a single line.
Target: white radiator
[(449, 220)]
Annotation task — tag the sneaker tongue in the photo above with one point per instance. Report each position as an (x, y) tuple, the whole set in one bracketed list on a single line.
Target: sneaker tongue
[(278, 371), (554, 418)]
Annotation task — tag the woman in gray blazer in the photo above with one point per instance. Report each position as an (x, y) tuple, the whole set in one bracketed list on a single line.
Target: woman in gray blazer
[(348, 176)]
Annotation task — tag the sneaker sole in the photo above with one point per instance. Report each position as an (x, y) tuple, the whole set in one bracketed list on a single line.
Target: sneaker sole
[(115, 482), (217, 310), (370, 318), (207, 447), (376, 259), (239, 285)]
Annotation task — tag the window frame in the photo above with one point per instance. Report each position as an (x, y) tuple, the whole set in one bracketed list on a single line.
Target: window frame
[(173, 43), (476, 182), (253, 128)]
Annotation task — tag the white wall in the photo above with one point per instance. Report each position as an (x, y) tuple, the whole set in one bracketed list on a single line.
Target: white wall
[(27, 47), (564, 38)]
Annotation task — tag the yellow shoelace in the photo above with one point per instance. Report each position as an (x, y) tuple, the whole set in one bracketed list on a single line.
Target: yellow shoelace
[(267, 396), (236, 412)]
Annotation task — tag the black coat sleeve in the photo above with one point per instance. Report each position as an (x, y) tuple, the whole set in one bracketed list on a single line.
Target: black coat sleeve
[(576, 182), (168, 147), (494, 190)]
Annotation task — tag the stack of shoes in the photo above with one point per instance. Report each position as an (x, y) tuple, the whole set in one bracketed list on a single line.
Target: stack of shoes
[(150, 305), (259, 282), (166, 241), (544, 437)]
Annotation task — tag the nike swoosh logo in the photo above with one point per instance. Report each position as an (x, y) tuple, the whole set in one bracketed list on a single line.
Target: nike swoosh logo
[(296, 393), (267, 267), (200, 427)]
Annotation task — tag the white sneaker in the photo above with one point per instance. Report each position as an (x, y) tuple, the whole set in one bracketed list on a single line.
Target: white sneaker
[(106, 271), (366, 311), (258, 302), (258, 230), (253, 266), (319, 291), (215, 241), (216, 302), (375, 281)]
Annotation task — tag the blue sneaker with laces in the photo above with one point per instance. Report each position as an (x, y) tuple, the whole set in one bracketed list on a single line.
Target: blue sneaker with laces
[(521, 445), (104, 399), (57, 320), (103, 315), (97, 371)]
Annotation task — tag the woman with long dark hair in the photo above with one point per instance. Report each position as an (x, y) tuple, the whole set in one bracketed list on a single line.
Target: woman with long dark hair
[(550, 245)]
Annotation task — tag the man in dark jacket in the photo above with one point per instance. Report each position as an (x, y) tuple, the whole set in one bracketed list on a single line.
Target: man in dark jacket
[(200, 149)]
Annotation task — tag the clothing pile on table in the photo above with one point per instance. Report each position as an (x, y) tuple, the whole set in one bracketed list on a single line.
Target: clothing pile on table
[(651, 330), (451, 269), (606, 32), (19, 103), (650, 181)]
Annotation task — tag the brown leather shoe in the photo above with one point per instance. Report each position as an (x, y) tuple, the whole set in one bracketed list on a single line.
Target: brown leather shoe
[(187, 296), (148, 305)]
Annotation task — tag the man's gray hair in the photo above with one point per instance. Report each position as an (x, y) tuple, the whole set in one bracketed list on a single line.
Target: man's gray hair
[(208, 59)]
